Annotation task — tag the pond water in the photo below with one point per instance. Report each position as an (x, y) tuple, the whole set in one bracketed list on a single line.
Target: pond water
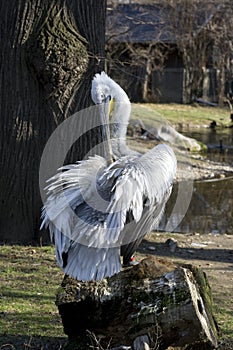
[(219, 142), (210, 209), (211, 206)]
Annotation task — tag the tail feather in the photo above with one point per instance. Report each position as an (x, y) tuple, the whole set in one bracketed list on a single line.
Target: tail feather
[(88, 263)]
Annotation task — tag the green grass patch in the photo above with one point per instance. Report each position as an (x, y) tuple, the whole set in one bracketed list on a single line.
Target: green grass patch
[(29, 281), (29, 318), (180, 115), (225, 320)]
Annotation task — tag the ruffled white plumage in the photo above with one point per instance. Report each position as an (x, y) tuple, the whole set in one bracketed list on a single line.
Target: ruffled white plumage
[(135, 190)]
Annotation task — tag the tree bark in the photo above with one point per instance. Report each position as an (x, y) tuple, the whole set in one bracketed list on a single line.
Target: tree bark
[(50, 51), (147, 77), (152, 305)]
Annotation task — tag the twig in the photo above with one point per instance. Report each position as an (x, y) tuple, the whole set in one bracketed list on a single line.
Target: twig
[(95, 341), (6, 345)]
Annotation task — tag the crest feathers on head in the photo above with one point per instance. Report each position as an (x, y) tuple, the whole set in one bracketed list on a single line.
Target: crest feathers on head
[(101, 78)]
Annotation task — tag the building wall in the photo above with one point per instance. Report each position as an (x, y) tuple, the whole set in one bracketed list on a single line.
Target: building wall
[(166, 86)]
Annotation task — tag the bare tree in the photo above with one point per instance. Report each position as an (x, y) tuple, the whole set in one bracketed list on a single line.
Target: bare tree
[(49, 53), (133, 52), (221, 32), (180, 25), (151, 57), (200, 32), (189, 22)]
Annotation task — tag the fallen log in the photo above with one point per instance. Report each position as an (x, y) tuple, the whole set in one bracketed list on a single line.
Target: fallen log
[(153, 305)]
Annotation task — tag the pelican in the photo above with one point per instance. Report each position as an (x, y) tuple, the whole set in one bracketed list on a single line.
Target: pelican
[(102, 207)]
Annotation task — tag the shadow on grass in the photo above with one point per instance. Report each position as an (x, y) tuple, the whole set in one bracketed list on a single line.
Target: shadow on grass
[(25, 294), (191, 253), (14, 342)]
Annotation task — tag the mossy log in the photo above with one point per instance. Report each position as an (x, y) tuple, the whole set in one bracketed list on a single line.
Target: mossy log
[(168, 305)]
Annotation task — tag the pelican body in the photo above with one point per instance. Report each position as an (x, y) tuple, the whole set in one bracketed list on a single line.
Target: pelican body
[(102, 207)]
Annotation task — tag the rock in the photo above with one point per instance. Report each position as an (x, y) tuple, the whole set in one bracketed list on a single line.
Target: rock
[(152, 248), (141, 343), (172, 244), (166, 133), (170, 305), (198, 245)]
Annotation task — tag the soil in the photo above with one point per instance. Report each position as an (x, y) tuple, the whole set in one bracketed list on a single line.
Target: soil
[(214, 254), (203, 169)]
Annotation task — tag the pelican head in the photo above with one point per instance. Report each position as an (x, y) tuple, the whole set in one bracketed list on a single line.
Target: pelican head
[(101, 96), (108, 93), (101, 88)]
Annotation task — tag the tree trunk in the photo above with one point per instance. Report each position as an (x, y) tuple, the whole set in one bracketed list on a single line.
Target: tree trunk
[(147, 77), (222, 81), (50, 51), (152, 305)]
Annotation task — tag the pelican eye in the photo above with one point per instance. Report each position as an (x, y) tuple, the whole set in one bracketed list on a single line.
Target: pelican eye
[(106, 99)]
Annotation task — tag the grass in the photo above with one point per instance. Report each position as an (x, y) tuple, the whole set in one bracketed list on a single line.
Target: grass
[(223, 311), (225, 320), (29, 280), (180, 115), (28, 316)]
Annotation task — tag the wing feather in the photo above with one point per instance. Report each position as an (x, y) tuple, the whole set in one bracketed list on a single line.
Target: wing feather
[(145, 181), (132, 187)]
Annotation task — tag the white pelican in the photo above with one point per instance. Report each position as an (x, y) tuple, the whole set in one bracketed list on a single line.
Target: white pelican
[(96, 206)]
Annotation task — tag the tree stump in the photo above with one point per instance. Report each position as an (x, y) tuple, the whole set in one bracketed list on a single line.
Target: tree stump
[(156, 300)]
